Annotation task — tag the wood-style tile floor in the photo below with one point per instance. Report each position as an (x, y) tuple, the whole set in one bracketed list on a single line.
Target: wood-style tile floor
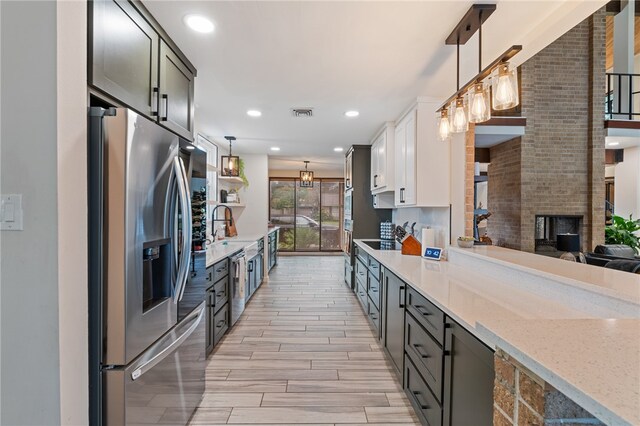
[(302, 353)]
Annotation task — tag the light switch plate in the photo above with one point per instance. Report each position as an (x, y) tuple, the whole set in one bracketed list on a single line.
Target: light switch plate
[(11, 212)]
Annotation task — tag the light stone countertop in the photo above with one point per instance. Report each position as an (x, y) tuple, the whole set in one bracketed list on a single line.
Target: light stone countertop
[(224, 248), (503, 314), (593, 278), (595, 362), (221, 249)]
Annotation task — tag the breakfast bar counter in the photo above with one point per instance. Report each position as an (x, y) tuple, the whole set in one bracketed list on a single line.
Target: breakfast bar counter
[(542, 314)]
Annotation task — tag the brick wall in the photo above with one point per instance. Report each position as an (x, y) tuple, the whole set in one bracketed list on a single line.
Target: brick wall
[(596, 136), (521, 398), (562, 151), (469, 187), (503, 194)]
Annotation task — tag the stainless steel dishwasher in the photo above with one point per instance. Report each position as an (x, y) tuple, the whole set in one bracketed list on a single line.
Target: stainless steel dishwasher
[(238, 282)]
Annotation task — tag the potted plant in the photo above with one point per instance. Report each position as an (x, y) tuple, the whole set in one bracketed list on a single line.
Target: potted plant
[(245, 181), (623, 231)]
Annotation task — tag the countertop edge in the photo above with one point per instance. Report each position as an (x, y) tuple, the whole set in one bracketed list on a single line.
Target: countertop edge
[(591, 287), (571, 391)]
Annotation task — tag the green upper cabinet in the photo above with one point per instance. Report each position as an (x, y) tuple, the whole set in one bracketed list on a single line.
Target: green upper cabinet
[(125, 55), (176, 93), (134, 62)]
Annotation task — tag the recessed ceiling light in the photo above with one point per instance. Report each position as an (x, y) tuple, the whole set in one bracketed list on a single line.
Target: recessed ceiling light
[(613, 143), (199, 23), (190, 147), (338, 149), (275, 148), (254, 113), (352, 113)]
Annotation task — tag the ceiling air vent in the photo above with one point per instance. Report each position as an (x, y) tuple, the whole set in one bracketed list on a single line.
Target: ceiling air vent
[(302, 112)]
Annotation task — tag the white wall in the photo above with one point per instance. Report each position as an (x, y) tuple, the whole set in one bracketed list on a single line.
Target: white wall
[(252, 220), (72, 210), (627, 184), (29, 354)]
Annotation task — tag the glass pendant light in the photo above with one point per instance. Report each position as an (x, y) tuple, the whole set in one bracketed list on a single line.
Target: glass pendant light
[(479, 103), (504, 85), (444, 125), (458, 115)]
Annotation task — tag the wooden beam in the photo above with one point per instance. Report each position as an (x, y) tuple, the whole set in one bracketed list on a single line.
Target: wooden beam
[(621, 124), (483, 155), (504, 121)]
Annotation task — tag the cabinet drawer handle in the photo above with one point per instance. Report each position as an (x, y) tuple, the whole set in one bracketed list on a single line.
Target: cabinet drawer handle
[(209, 277), (374, 317), (154, 102), (221, 294), (221, 323), (220, 269), (375, 183), (373, 289), (400, 295), (419, 351), (417, 396), (423, 310), (165, 98)]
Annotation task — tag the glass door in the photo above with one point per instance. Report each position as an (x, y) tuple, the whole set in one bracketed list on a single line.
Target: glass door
[(331, 214), (282, 211), (308, 218), (311, 219)]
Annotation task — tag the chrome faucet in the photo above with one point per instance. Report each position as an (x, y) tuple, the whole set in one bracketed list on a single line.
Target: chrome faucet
[(214, 220)]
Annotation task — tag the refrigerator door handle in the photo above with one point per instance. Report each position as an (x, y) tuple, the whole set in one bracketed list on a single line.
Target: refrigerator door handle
[(185, 205), (195, 317)]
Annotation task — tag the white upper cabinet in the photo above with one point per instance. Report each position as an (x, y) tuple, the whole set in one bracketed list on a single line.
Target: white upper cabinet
[(421, 160), (382, 160)]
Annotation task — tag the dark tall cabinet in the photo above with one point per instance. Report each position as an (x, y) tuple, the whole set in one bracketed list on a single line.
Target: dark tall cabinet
[(362, 220)]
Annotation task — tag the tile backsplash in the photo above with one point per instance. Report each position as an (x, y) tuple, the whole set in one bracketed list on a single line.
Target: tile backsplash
[(432, 217)]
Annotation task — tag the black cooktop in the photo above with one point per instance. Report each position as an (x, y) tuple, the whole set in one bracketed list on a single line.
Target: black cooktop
[(383, 245)]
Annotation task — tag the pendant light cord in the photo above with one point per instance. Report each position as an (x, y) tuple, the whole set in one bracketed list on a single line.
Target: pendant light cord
[(480, 42), (458, 64)]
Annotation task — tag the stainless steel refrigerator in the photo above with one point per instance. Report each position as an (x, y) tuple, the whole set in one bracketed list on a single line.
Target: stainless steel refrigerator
[(147, 312)]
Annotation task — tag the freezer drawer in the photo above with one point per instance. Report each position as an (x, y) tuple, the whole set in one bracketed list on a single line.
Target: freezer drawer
[(165, 384)]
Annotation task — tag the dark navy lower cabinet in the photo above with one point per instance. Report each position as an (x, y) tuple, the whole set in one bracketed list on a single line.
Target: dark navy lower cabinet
[(468, 379)]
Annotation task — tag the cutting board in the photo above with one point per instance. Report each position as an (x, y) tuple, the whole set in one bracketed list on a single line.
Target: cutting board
[(230, 230)]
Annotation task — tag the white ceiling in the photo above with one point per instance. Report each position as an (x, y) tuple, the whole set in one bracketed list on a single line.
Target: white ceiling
[(621, 142), (375, 57)]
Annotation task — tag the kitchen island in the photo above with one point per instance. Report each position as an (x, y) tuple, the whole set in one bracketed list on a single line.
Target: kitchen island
[(572, 330)]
